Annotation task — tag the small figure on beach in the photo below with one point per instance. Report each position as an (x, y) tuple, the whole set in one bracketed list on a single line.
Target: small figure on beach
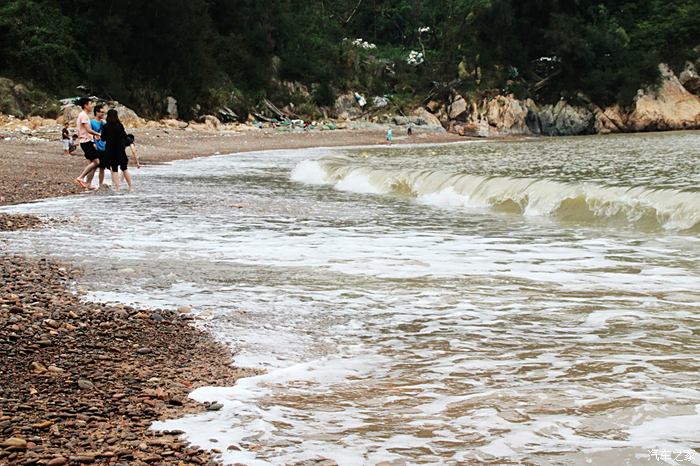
[(409, 131), (389, 135), (116, 140), (66, 139), (86, 137), (74, 144)]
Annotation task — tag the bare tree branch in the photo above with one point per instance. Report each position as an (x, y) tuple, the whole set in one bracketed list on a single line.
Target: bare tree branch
[(359, 2)]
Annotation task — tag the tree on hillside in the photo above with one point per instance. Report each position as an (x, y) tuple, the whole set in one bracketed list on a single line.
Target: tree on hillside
[(36, 44), (203, 52)]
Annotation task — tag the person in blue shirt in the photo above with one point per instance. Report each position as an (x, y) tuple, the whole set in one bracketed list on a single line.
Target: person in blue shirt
[(96, 124)]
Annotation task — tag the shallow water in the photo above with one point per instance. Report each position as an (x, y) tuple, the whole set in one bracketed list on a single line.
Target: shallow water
[(529, 302)]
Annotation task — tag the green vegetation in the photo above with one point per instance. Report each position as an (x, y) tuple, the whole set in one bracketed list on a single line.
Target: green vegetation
[(214, 53)]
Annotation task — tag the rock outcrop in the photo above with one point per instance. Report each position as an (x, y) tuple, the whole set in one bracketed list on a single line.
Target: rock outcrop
[(562, 119), (609, 120), (346, 107), (506, 115), (212, 123), (690, 79), (457, 107), (669, 107), (674, 104), (126, 115), (422, 117), (13, 98), (22, 101)]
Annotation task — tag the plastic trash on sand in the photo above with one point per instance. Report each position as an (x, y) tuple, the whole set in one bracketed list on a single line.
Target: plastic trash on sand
[(360, 100)]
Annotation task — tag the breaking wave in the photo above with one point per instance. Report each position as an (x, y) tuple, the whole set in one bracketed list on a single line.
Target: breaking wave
[(585, 202)]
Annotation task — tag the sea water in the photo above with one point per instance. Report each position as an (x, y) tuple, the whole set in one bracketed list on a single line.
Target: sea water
[(523, 302)]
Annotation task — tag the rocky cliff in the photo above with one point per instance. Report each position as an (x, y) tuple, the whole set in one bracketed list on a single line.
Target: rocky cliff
[(673, 105)]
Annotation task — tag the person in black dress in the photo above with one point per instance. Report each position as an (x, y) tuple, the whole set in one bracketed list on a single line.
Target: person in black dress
[(115, 137)]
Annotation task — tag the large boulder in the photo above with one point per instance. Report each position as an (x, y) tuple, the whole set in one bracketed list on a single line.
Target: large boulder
[(422, 117), (669, 107), (69, 113), (690, 79), (127, 116), (457, 107), (562, 119), (475, 128), (212, 123), (507, 115), (610, 120), (433, 106), (400, 120), (346, 107)]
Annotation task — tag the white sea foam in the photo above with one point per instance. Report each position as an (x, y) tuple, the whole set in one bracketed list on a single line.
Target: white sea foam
[(447, 197), (358, 182), (310, 172)]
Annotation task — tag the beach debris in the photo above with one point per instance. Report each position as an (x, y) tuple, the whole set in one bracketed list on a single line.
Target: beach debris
[(270, 106), (227, 115)]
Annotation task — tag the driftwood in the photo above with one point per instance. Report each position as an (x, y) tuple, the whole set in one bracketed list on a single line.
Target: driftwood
[(228, 115), (543, 82), (274, 109), (262, 117), (361, 115)]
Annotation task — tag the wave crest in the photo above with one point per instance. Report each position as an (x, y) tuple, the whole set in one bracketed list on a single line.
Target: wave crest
[(584, 202)]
